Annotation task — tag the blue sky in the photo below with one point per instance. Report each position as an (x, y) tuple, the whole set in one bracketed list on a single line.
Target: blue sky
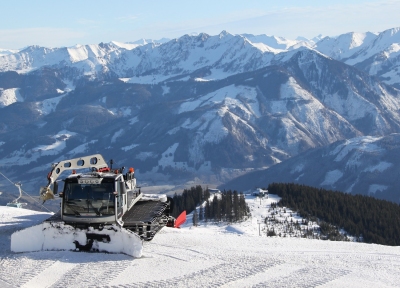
[(66, 23)]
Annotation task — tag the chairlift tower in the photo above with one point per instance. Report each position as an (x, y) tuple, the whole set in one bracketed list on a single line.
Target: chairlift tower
[(15, 202)]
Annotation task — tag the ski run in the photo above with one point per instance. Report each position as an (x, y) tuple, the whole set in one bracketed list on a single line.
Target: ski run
[(209, 255)]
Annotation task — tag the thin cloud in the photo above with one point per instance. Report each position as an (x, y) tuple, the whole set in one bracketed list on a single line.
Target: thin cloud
[(42, 36), (290, 22), (296, 21)]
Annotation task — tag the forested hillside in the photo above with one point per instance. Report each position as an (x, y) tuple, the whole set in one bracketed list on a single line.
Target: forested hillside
[(373, 220), (229, 206)]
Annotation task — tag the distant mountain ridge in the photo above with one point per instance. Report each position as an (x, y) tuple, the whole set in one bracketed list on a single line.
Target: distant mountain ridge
[(207, 107), (7, 51), (344, 46), (108, 58)]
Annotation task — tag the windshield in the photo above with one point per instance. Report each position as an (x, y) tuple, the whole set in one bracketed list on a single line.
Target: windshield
[(95, 199)]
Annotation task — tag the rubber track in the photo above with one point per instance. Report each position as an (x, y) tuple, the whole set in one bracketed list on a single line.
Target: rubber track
[(144, 211)]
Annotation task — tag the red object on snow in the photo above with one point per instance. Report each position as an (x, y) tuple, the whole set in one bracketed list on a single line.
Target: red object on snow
[(180, 220)]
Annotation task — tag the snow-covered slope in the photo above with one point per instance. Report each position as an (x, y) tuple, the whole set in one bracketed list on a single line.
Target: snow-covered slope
[(345, 45), (382, 57), (147, 41), (383, 42), (9, 96), (223, 256), (137, 43), (7, 51), (274, 43), (87, 58)]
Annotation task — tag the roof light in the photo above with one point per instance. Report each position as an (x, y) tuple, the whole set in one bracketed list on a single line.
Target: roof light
[(131, 170)]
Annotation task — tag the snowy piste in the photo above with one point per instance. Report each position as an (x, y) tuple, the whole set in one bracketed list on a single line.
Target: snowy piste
[(209, 255)]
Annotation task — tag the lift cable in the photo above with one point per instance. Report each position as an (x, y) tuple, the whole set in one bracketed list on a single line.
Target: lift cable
[(37, 202)]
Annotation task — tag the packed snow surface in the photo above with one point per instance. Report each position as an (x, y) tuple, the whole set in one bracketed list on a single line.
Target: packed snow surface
[(209, 255)]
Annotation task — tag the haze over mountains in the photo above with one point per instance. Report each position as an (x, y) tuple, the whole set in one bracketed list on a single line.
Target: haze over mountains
[(207, 107)]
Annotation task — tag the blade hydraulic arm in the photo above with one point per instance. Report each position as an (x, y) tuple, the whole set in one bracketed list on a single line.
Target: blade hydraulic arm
[(95, 161)]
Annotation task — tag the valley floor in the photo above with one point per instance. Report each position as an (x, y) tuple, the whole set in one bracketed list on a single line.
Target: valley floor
[(204, 256)]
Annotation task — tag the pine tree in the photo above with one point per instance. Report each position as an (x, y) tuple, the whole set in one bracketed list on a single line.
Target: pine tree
[(195, 218), (214, 208), (201, 213), (236, 205), (208, 211)]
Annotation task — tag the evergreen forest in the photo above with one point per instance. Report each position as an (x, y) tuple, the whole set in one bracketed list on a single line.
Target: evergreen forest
[(369, 219), (229, 206)]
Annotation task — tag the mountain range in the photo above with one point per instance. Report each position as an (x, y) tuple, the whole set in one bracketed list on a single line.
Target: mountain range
[(204, 107)]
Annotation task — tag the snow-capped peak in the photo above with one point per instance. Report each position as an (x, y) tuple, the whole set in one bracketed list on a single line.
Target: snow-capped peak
[(127, 46), (7, 51), (345, 45), (224, 33), (382, 42), (278, 43)]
